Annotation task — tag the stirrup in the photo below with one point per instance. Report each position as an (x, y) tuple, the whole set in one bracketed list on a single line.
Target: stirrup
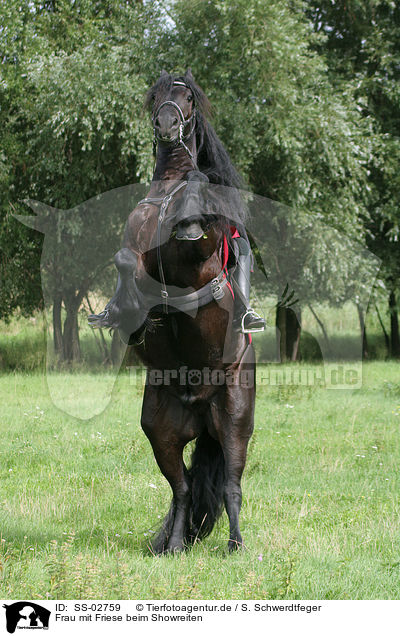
[(248, 311)]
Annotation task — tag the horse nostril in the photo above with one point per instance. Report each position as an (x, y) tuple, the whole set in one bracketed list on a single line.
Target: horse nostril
[(157, 122), (175, 121)]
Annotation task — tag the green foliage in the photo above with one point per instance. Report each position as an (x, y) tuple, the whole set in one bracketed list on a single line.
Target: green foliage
[(73, 78), (295, 138), (306, 100), (361, 46)]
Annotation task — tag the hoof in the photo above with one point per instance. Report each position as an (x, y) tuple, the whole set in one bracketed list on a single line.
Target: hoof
[(175, 549), (167, 551), (234, 545), (172, 547), (133, 339)]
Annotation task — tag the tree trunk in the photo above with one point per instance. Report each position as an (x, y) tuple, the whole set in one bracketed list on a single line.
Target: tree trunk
[(104, 348), (322, 327), (280, 322), (394, 326), (71, 344), (385, 334), (364, 342), (57, 327), (288, 334)]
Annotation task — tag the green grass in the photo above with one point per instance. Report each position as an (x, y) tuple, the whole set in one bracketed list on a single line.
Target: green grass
[(79, 500)]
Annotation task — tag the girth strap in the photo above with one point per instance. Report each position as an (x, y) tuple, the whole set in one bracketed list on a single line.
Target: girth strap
[(188, 303)]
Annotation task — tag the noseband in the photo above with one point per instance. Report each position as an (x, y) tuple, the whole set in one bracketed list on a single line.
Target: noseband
[(182, 125)]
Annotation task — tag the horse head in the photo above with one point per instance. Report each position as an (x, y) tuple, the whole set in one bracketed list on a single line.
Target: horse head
[(173, 102)]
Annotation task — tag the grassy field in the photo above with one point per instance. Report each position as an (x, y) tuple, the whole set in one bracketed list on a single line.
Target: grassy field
[(321, 510)]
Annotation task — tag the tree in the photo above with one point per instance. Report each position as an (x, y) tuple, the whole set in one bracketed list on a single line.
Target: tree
[(295, 137), (296, 122), (19, 248), (75, 75), (361, 46)]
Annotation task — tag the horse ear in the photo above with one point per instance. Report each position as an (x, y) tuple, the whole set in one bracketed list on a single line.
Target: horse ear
[(164, 73), (188, 74)]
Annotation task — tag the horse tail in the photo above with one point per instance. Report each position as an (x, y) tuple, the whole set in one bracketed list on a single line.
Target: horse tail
[(207, 478)]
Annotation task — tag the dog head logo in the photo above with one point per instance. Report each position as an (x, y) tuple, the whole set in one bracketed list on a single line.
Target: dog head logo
[(26, 615)]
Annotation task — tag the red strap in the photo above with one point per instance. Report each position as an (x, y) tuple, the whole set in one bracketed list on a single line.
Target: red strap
[(225, 253), (230, 289)]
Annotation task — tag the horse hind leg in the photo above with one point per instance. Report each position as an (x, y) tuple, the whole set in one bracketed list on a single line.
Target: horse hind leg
[(159, 543), (172, 536), (198, 495), (234, 432), (169, 428), (233, 502)]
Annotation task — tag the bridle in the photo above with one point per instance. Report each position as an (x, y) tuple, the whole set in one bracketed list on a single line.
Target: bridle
[(182, 125)]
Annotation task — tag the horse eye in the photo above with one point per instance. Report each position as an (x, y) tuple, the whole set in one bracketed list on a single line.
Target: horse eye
[(190, 98)]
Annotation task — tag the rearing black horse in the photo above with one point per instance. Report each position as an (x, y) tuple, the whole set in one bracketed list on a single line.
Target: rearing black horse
[(175, 304)]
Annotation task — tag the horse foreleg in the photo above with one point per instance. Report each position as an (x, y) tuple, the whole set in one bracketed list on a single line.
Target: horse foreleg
[(235, 459)]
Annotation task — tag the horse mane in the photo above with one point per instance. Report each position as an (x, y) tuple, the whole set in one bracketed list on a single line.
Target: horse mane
[(212, 158)]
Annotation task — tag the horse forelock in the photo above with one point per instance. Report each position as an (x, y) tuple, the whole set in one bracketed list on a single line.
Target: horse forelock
[(162, 87)]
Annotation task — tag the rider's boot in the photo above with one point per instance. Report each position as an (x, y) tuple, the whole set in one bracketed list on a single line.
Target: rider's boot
[(245, 319)]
